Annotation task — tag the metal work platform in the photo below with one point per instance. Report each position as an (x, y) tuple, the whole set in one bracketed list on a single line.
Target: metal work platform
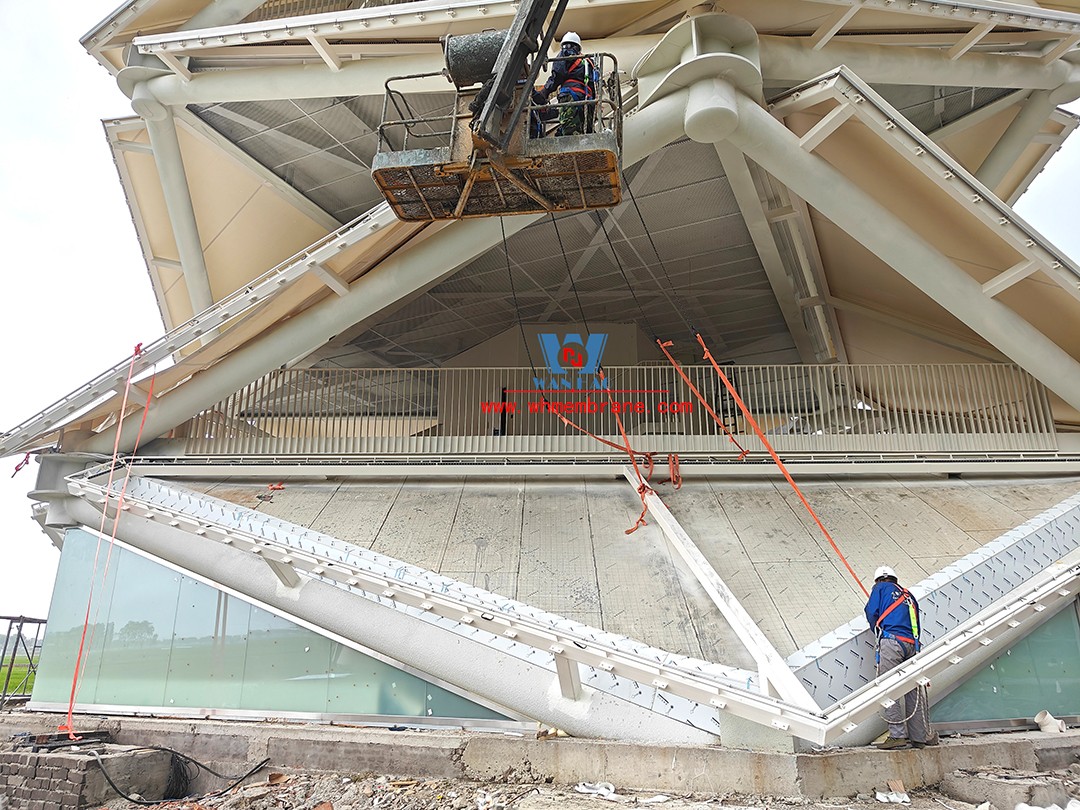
[(573, 172), (437, 166)]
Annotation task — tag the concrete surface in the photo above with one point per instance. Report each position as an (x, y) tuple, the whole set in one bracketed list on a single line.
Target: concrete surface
[(1005, 791), (559, 544), (499, 757)]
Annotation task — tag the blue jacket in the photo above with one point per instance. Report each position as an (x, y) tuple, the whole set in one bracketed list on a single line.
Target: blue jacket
[(568, 74), (898, 622)]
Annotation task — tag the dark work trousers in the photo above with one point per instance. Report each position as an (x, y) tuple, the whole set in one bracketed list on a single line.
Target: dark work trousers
[(908, 718)]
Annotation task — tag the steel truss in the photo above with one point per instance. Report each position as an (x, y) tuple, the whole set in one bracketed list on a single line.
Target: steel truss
[(679, 687)]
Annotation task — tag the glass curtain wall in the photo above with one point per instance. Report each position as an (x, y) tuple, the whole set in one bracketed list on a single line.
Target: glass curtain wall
[(157, 638), (1039, 672)]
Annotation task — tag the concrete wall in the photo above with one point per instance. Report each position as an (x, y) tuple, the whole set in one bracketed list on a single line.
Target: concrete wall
[(482, 757)]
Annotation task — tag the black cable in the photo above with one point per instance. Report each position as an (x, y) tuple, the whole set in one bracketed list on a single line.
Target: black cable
[(570, 275), (681, 308), (174, 778), (626, 279), (186, 758)]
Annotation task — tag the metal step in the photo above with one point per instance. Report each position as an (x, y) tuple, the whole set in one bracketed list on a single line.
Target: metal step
[(842, 661), (689, 690), (228, 309)]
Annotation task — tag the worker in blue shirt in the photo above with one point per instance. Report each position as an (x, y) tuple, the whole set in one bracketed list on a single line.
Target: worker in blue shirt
[(574, 77), (893, 614)]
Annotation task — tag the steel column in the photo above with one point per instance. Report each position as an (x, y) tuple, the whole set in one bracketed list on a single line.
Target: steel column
[(1037, 109), (161, 127), (766, 141)]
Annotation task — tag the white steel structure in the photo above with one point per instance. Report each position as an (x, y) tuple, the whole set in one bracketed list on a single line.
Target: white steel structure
[(822, 189)]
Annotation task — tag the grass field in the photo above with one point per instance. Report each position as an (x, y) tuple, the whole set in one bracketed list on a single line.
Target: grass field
[(18, 672)]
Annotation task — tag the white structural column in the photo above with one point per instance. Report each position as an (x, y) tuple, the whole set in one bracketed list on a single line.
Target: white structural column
[(404, 274), (776, 676), (776, 149), (791, 59), (782, 59), (161, 127), (1038, 107), (497, 676), (365, 77)]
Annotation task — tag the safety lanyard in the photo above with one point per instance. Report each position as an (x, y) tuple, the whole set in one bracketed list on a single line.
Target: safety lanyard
[(913, 615)]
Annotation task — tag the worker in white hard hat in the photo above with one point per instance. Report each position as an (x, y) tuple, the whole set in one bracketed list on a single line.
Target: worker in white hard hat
[(574, 77), (893, 613)]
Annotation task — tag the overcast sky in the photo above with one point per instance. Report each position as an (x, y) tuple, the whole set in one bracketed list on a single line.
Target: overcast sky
[(77, 296)]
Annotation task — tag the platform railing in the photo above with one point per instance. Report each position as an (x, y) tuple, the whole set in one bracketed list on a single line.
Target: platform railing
[(19, 657), (843, 409)]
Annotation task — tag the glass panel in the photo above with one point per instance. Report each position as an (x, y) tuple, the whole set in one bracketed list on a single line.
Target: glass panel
[(161, 639), (360, 684), (66, 614), (1040, 672), (209, 648), (442, 703), (134, 652), (286, 668)]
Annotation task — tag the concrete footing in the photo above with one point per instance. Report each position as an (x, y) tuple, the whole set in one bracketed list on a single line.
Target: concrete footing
[(503, 757)]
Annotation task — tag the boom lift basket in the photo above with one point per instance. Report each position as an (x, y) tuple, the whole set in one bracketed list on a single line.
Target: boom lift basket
[(433, 167)]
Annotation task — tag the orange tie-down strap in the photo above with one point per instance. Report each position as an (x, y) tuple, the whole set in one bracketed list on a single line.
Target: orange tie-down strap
[(780, 464), (84, 643)]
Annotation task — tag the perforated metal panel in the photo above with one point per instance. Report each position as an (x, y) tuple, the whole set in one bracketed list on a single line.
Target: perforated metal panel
[(843, 661)]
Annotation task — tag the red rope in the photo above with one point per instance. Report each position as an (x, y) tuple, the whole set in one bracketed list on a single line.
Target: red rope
[(21, 464), (643, 488), (84, 645), (674, 476), (663, 347), (779, 463)]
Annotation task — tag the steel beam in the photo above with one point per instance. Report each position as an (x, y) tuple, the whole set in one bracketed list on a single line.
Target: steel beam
[(970, 40), (794, 60), (1037, 109), (776, 149), (365, 77), (776, 676), (161, 127), (832, 25), (746, 195)]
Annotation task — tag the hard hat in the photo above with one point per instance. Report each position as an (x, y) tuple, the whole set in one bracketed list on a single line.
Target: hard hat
[(884, 571), (570, 36)]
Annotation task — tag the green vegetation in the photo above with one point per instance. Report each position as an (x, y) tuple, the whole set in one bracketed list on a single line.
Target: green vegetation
[(18, 673)]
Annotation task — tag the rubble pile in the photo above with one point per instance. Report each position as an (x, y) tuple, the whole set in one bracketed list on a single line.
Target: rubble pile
[(324, 791)]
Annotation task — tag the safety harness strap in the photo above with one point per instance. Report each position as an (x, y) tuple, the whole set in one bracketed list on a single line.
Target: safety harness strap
[(905, 595)]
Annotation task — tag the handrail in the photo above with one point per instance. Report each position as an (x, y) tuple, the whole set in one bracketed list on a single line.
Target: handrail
[(229, 308), (1051, 589)]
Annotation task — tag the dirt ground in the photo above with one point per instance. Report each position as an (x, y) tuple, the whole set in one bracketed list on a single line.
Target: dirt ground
[(308, 791)]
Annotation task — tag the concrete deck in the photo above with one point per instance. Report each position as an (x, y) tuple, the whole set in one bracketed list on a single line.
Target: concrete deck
[(490, 757), (560, 544)]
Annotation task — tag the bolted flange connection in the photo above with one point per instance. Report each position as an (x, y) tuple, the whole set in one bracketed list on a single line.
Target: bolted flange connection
[(716, 56)]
